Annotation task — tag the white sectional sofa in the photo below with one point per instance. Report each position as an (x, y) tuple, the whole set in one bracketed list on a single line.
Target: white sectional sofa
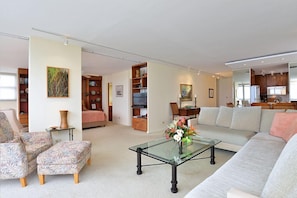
[(264, 167), (233, 126)]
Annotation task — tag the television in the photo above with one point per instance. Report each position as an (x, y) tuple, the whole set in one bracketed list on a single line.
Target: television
[(139, 99)]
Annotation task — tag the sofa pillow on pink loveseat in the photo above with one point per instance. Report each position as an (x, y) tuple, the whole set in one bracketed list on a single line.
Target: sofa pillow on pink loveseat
[(284, 125)]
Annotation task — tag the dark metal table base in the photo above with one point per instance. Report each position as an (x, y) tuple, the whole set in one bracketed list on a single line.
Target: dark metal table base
[(173, 167)]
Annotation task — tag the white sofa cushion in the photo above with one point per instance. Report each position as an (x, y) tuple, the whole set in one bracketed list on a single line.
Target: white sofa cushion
[(267, 116), (208, 115), (224, 118), (282, 179), (247, 170), (246, 118), (236, 193)]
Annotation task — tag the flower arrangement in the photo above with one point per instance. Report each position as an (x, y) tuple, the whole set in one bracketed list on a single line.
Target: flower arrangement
[(179, 131)]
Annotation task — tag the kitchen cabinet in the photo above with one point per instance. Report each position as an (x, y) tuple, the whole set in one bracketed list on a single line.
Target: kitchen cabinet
[(277, 79), (261, 81), (253, 77), (269, 80)]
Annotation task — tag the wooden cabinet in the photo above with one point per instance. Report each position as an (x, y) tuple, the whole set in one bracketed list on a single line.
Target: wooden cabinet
[(92, 92), (139, 97), (277, 79), (139, 124), (189, 112), (261, 80), (269, 80), (23, 78), (282, 79), (253, 77)]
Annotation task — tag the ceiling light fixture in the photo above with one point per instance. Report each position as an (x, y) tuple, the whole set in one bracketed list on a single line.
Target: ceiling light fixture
[(66, 42), (261, 57)]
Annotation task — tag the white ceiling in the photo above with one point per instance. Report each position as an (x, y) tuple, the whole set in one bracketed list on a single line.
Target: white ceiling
[(196, 34)]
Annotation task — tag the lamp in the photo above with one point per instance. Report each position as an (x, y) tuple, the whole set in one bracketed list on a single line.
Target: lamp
[(195, 99)]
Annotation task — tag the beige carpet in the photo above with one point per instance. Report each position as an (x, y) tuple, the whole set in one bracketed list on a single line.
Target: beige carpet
[(113, 171)]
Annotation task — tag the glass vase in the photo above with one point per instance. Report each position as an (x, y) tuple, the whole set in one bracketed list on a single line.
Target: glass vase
[(180, 147)]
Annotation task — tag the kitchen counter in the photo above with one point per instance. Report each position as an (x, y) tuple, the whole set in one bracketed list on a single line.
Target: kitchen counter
[(274, 105)]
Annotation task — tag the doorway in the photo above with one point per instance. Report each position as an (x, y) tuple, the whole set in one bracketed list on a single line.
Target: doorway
[(109, 88)]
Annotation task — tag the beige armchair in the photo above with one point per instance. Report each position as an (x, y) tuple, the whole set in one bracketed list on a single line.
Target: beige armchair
[(18, 150)]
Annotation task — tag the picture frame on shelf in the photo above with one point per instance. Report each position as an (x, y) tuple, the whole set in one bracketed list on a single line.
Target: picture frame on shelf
[(93, 106), (185, 92), (57, 82)]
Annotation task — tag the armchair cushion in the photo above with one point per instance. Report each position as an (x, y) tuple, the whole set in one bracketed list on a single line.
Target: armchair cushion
[(36, 138), (15, 125), (6, 133), (35, 143)]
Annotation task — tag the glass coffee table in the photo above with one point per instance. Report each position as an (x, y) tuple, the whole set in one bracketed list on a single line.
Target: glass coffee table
[(167, 151)]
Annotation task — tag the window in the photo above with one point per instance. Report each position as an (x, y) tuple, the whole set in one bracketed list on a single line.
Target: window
[(8, 86), (243, 94), (293, 90)]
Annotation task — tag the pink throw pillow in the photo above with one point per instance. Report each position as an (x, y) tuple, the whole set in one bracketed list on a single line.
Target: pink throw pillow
[(284, 125)]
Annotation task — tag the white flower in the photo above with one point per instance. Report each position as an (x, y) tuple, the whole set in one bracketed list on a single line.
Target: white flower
[(180, 132), (177, 137)]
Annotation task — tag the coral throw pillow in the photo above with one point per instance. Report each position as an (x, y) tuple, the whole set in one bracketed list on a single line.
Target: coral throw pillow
[(284, 125)]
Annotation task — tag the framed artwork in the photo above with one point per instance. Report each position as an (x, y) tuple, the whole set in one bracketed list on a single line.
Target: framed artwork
[(57, 82), (119, 90), (185, 92), (210, 93)]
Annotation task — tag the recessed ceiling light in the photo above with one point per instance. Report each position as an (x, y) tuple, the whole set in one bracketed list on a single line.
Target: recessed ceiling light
[(261, 57)]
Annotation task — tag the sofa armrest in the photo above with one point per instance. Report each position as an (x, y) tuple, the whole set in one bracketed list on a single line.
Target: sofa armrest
[(13, 160), (36, 138), (235, 193)]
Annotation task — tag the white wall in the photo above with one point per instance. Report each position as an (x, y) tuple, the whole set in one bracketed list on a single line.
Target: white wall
[(164, 87), (44, 111), (121, 106), (225, 91), (121, 109)]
